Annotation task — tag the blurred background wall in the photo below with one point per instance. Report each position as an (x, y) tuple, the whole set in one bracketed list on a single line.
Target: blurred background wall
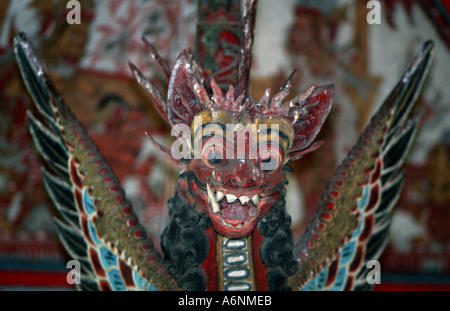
[(327, 41)]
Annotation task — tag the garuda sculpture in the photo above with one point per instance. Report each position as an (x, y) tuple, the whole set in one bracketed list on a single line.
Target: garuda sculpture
[(228, 227)]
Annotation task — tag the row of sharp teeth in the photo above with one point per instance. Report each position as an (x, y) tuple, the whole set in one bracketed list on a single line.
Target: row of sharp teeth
[(231, 198)]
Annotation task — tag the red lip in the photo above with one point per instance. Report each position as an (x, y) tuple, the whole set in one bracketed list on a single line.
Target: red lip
[(234, 219)]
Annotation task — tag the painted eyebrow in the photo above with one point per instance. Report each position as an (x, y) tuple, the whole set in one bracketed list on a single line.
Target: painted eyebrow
[(263, 132), (221, 125), (268, 131)]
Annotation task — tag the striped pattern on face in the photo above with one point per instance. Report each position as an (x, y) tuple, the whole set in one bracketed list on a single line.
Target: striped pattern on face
[(219, 135)]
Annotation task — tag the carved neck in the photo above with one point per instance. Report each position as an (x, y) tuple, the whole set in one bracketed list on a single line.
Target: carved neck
[(235, 264)]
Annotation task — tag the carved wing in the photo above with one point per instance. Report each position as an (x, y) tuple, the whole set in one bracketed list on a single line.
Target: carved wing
[(97, 226), (351, 224)]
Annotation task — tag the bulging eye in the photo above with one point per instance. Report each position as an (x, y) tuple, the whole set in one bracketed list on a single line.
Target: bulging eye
[(269, 157), (213, 154)]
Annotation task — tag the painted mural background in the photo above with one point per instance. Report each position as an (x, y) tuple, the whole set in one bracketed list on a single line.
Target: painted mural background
[(326, 41)]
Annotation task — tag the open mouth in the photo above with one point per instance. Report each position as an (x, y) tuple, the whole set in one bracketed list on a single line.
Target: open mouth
[(234, 211)]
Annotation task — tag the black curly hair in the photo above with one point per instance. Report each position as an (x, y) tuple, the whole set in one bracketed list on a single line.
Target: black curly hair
[(186, 245)]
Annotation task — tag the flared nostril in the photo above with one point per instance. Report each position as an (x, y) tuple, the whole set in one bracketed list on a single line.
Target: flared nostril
[(242, 182), (240, 174)]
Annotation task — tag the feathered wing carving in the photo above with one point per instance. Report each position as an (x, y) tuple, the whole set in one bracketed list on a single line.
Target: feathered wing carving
[(351, 224), (98, 226)]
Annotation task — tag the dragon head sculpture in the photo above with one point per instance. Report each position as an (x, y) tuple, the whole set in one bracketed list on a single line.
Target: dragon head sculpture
[(234, 148)]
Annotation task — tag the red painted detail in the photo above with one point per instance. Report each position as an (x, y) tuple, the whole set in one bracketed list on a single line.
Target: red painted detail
[(334, 194), (331, 205), (79, 200), (403, 286), (126, 273), (119, 199), (339, 183), (132, 222), (368, 225), (376, 173), (146, 246), (126, 211), (357, 260), (139, 234), (309, 244), (33, 278), (98, 268), (326, 216), (85, 228), (102, 171), (332, 272), (152, 258), (320, 226), (349, 284), (210, 265), (374, 197), (74, 174), (114, 188), (108, 179), (70, 146), (104, 286)]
